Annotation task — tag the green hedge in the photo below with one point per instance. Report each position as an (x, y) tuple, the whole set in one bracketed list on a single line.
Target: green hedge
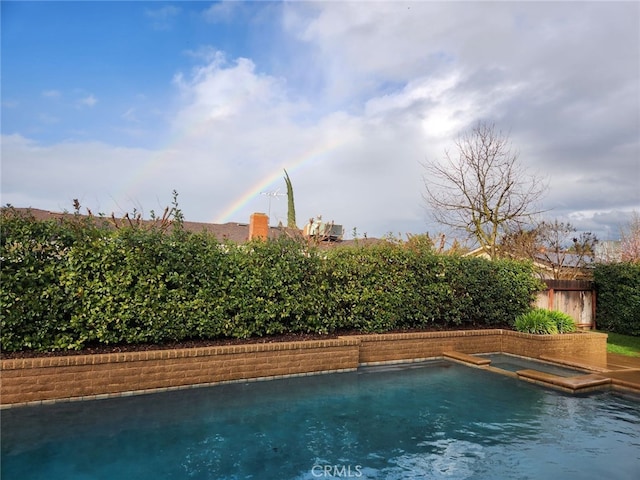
[(73, 283), (618, 294)]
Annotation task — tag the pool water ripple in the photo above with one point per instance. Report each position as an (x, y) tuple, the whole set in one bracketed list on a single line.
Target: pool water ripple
[(441, 420)]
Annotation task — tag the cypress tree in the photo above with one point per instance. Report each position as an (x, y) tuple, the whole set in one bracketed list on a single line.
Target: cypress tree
[(291, 208)]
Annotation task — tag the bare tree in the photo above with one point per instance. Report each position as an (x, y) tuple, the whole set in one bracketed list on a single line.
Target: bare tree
[(627, 248), (630, 240), (565, 250), (523, 243), (481, 189), (557, 245)]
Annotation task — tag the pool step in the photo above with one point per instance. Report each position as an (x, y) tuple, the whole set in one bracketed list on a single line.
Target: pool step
[(574, 362), (577, 383), (573, 384), (466, 358)]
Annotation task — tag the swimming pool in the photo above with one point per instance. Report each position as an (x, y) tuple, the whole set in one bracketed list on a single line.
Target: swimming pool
[(434, 420)]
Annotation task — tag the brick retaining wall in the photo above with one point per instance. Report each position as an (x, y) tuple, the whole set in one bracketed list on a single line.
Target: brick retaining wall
[(95, 376), (395, 347), (588, 345), (55, 378), (414, 346)]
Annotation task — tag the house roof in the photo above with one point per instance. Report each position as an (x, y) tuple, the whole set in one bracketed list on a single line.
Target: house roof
[(231, 231), (549, 262), (568, 260)]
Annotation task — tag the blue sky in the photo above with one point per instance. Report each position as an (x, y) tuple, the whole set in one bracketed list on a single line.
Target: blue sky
[(64, 58), (119, 103)]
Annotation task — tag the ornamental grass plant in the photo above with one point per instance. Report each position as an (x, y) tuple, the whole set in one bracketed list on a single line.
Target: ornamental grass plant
[(546, 322)]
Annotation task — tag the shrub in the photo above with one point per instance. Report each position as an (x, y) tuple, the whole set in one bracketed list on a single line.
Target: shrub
[(563, 321), (34, 307), (536, 321), (618, 290), (65, 285), (388, 286), (543, 321)]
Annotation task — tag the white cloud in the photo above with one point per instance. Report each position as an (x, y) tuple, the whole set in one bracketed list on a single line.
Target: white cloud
[(167, 11), (387, 84), (48, 119), (56, 174), (162, 18), (235, 129), (221, 11), (88, 101), (217, 91), (207, 54), (9, 103), (130, 115), (250, 126), (52, 94)]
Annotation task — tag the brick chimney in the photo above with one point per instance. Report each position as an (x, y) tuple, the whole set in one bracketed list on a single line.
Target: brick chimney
[(258, 226)]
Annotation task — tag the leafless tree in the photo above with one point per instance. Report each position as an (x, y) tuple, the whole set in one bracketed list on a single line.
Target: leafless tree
[(630, 240), (627, 248), (523, 243), (565, 250), (481, 189), (556, 245)]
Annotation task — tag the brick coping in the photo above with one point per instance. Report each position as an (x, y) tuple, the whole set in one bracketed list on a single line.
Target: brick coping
[(164, 354), (373, 337)]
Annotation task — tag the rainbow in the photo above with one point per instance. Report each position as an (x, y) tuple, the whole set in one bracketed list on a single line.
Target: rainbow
[(291, 166), (197, 128), (159, 158), (156, 160)]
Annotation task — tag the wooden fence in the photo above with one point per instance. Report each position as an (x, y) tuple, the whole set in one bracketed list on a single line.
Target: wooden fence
[(576, 298)]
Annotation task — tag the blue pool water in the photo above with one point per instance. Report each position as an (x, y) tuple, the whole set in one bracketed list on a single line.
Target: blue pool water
[(440, 420)]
